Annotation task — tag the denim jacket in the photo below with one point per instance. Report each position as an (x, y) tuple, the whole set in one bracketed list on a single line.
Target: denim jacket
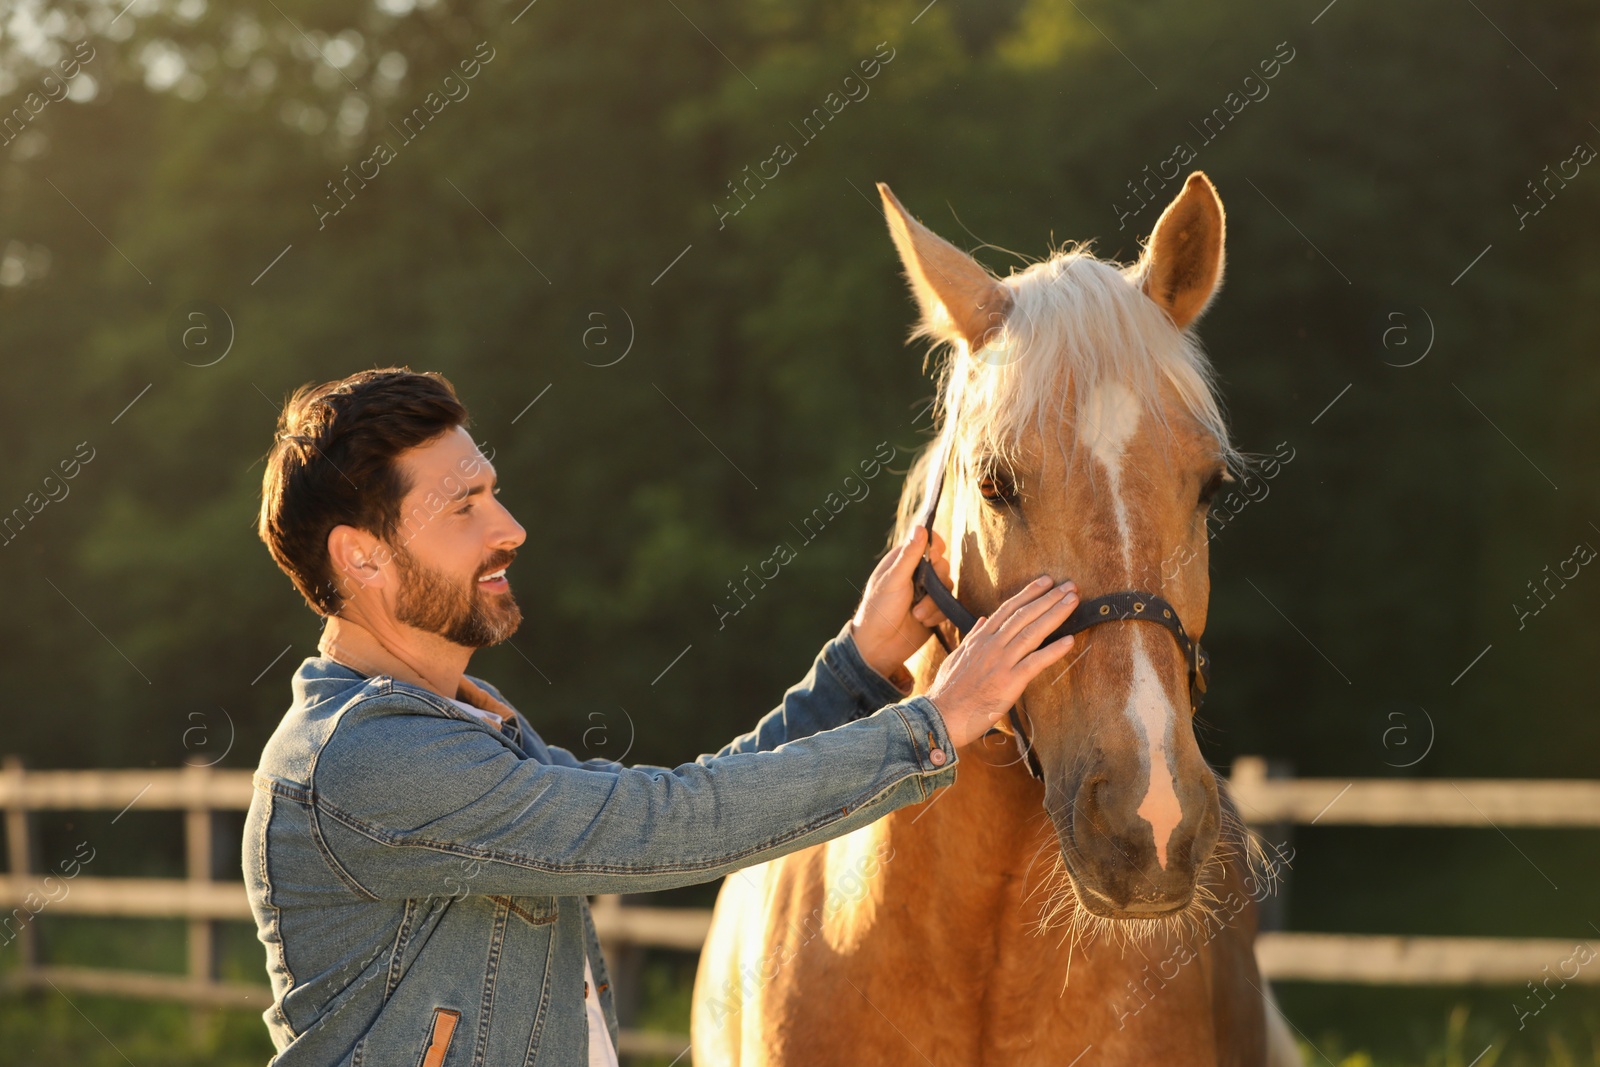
[(418, 875)]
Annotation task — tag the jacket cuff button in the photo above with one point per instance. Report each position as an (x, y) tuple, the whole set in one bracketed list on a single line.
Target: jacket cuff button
[(936, 757)]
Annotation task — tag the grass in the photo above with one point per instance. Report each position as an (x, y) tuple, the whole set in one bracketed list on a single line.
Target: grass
[(1374, 1026)]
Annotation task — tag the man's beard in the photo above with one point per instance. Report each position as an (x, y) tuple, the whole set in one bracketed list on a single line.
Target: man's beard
[(432, 602)]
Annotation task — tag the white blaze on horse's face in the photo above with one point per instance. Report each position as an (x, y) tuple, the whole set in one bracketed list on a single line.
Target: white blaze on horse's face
[(1120, 506), (1112, 417)]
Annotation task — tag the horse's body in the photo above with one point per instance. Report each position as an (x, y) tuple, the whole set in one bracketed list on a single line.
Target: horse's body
[(1108, 912), (927, 955)]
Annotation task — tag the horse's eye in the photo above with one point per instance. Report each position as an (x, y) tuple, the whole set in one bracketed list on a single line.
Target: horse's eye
[(997, 488), (1214, 485)]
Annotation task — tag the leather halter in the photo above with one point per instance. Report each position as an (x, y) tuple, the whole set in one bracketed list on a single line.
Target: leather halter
[(1128, 606)]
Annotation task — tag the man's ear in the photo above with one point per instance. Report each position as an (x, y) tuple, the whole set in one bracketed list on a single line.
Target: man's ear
[(356, 558), (1182, 265), (958, 298)]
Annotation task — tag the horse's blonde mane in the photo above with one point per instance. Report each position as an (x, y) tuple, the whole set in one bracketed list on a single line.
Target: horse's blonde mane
[(1076, 322)]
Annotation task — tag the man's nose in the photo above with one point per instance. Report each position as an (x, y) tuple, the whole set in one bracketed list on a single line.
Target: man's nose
[(508, 533)]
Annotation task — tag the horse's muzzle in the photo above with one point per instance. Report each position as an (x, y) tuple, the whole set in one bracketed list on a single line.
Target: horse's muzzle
[(1111, 854)]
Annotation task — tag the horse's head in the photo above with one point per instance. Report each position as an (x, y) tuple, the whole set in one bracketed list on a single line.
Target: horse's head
[(1088, 445)]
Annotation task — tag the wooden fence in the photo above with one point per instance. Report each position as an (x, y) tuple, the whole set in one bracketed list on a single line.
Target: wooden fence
[(1377, 959), (209, 895)]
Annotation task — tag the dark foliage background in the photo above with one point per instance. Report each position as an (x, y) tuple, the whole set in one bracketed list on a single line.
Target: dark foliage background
[(1372, 198)]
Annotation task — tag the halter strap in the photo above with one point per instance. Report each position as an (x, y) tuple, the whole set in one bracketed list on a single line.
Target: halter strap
[(1127, 606)]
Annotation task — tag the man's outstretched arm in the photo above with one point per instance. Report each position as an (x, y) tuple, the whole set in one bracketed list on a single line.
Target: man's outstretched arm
[(402, 796)]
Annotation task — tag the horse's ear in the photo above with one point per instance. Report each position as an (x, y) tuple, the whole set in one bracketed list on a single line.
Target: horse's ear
[(1182, 264), (957, 296)]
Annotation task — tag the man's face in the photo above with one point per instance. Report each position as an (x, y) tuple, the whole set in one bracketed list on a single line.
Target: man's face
[(453, 533)]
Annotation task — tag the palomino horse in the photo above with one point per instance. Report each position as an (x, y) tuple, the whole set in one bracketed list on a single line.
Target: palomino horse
[(1088, 443)]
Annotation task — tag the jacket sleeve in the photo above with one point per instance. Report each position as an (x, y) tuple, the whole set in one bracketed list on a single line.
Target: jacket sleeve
[(401, 795), (839, 688)]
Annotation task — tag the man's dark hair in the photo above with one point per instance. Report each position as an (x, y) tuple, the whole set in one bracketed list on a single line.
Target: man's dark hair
[(333, 464)]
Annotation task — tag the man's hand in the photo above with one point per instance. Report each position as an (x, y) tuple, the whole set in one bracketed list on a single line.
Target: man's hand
[(999, 656), (887, 627)]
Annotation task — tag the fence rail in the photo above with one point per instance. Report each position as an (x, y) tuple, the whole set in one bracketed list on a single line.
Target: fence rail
[(1488, 802), (208, 896)]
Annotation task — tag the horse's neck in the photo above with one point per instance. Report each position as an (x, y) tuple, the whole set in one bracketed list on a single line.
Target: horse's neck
[(984, 838)]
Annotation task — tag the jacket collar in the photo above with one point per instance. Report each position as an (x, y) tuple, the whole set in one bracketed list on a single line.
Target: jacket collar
[(356, 651)]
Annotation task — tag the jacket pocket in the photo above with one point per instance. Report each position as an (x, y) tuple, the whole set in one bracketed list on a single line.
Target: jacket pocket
[(444, 1028), (535, 911)]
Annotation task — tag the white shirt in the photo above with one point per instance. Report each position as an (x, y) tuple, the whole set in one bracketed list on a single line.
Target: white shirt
[(601, 1052), (491, 719)]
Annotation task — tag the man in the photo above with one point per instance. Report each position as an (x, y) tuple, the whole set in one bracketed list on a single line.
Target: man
[(418, 859)]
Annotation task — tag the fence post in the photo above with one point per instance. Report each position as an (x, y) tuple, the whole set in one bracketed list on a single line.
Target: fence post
[(19, 860), (199, 835)]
